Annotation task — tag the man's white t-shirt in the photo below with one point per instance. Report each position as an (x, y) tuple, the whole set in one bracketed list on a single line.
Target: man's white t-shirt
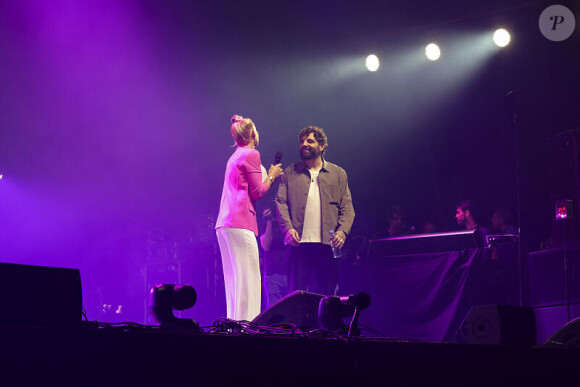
[(313, 215)]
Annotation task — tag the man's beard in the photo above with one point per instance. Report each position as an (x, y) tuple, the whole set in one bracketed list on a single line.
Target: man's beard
[(309, 154)]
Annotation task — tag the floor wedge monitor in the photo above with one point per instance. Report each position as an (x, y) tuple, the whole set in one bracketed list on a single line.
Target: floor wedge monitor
[(38, 296)]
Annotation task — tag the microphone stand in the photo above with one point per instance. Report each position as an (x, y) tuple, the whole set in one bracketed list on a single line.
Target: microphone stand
[(508, 102), (566, 273), (353, 329)]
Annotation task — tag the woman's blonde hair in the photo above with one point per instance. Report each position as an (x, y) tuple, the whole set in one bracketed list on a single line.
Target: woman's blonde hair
[(242, 130)]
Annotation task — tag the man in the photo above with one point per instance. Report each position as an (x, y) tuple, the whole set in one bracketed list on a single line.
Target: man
[(314, 199), (467, 216), (396, 224), (395, 220), (502, 222), (464, 215)]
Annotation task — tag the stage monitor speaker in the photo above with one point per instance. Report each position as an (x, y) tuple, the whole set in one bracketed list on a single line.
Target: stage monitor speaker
[(38, 296), (499, 324), (547, 277), (299, 308), (566, 337)]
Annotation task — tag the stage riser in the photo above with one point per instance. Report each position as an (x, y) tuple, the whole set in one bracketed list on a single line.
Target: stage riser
[(148, 358)]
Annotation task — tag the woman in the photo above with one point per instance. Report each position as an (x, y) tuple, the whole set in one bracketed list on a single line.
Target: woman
[(236, 225)]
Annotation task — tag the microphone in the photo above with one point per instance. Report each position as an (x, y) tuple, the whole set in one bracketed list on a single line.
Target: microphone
[(278, 158)]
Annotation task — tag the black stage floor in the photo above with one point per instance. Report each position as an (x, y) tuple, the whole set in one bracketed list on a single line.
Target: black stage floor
[(148, 357)]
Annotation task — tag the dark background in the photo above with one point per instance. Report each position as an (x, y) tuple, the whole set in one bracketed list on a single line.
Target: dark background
[(114, 122)]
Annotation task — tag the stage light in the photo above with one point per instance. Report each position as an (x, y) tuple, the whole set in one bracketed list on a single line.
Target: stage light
[(564, 209), (332, 310), (372, 62), (501, 37), (1, 176), (164, 298), (432, 52)]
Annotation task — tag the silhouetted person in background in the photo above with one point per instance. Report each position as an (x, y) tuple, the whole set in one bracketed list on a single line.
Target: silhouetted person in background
[(504, 257), (275, 259), (502, 222), (428, 228), (395, 220), (396, 225)]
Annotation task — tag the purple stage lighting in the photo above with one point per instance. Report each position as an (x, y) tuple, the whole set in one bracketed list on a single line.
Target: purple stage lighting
[(432, 52), (563, 209), (372, 63), (501, 37)]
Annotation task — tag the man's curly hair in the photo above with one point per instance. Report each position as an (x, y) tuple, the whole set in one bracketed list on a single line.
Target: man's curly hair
[(319, 135)]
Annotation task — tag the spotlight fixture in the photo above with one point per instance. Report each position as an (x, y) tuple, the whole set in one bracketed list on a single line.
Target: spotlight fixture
[(372, 62), (432, 52), (332, 310), (501, 37), (164, 298)]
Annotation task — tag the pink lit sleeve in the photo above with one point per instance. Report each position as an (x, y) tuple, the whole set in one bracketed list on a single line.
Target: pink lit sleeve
[(254, 174)]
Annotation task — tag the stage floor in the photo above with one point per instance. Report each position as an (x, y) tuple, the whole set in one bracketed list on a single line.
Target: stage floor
[(151, 357)]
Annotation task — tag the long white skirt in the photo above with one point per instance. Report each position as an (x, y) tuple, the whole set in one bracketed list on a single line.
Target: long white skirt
[(241, 265)]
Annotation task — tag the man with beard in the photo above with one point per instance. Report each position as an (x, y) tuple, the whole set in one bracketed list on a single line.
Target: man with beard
[(314, 201), (467, 214)]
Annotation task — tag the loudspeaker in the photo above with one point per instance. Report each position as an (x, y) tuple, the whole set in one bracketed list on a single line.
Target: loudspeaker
[(547, 277), (566, 337), (550, 319), (499, 324), (299, 308), (38, 296)]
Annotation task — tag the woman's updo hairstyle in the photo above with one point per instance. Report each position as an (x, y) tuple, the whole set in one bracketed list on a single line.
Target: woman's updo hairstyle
[(242, 130)]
